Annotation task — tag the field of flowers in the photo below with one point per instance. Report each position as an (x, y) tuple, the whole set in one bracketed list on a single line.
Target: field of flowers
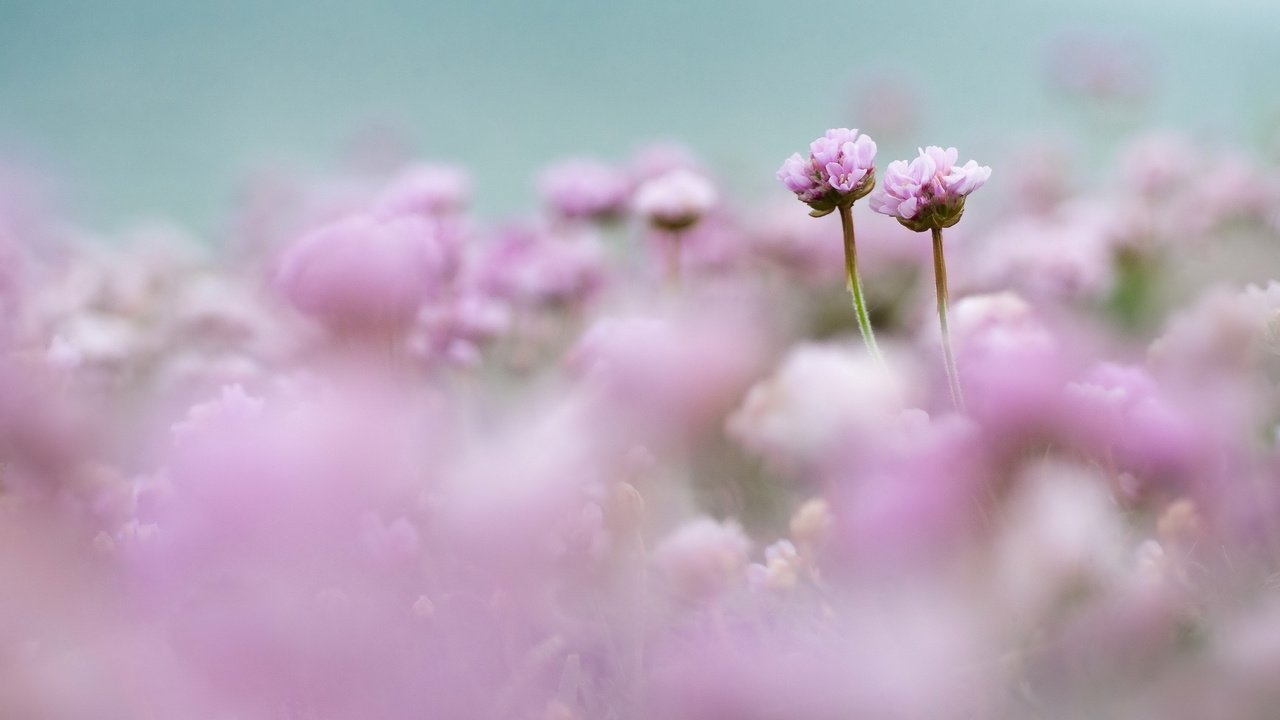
[(890, 442)]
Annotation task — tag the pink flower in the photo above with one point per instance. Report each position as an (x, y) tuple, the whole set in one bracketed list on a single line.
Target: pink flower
[(703, 558), (1121, 413), (533, 266), (583, 188), (930, 190), (364, 272), (675, 200), (427, 190), (663, 377), (840, 169), (821, 400)]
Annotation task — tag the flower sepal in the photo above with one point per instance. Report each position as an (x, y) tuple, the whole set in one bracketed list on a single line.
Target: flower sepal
[(832, 199), (942, 215)]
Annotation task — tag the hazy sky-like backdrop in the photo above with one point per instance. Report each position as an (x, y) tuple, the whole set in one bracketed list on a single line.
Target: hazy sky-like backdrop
[(147, 108)]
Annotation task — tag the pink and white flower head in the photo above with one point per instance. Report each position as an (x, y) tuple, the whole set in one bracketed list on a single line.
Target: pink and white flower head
[(1122, 414), (427, 189), (364, 272), (1160, 164), (821, 400), (929, 192), (839, 170), (675, 200), (703, 558), (584, 189), (669, 376), (1060, 256), (533, 266)]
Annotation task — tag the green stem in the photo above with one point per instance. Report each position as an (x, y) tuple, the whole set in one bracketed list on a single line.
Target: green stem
[(855, 282), (940, 282)]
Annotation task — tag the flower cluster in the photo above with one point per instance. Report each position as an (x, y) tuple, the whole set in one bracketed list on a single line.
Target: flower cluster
[(929, 191), (839, 170), (584, 188), (675, 200)]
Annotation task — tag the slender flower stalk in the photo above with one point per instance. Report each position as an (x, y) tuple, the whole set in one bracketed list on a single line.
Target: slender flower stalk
[(672, 203), (855, 280), (671, 257), (940, 286), (928, 194), (840, 170)]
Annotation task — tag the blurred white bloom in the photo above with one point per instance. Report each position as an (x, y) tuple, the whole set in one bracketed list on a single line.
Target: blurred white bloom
[(821, 397)]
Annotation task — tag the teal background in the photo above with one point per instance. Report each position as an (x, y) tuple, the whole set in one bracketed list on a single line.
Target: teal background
[(159, 108)]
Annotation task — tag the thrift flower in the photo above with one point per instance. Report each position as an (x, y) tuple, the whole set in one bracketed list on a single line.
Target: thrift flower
[(929, 192), (584, 189), (364, 272), (675, 200), (839, 170), (427, 190), (703, 558)]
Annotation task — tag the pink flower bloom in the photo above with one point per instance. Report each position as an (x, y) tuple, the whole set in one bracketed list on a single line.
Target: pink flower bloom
[(665, 378), (533, 266), (822, 399), (930, 190), (675, 200), (427, 190), (703, 558), (1063, 255), (583, 188), (1121, 413), (846, 157), (840, 169), (364, 272), (1160, 164)]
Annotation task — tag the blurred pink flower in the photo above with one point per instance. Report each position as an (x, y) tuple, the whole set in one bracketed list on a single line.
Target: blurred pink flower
[(822, 400), (364, 273), (534, 266), (703, 558), (427, 190), (584, 189), (675, 200)]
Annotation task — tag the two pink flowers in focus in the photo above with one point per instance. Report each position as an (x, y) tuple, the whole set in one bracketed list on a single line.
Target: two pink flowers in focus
[(927, 191), (926, 194)]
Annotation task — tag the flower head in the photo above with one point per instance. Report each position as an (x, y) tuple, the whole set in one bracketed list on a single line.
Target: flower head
[(702, 558), (364, 271), (840, 169), (427, 189), (675, 200), (929, 191), (584, 189)]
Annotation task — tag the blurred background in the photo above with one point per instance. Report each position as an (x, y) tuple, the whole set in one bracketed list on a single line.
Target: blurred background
[(155, 108)]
